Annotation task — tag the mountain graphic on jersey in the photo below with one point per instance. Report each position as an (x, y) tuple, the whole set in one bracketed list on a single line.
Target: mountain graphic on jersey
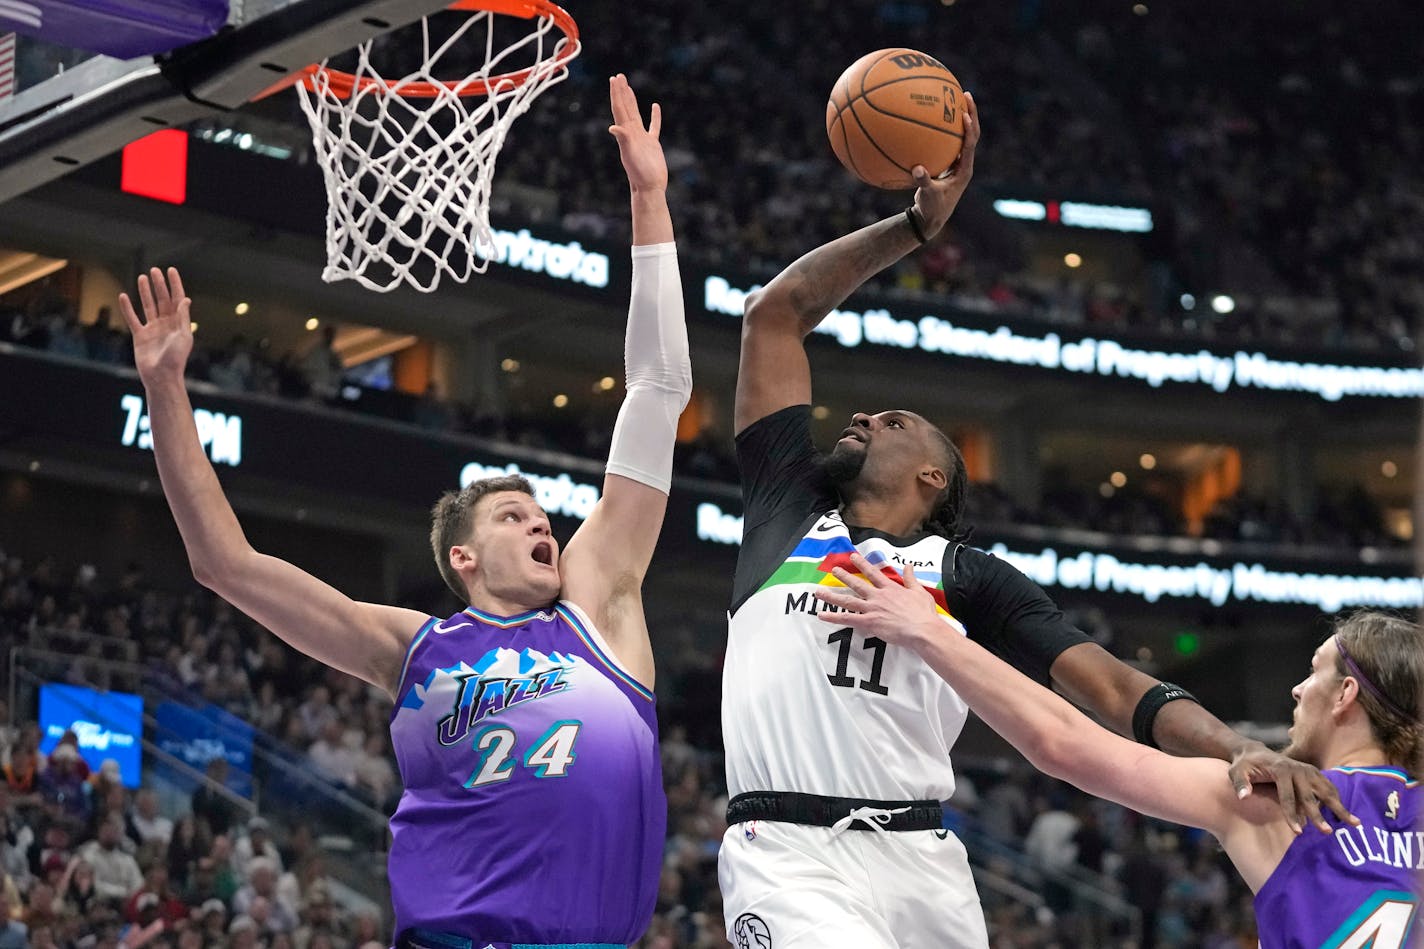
[(499, 681), (814, 558)]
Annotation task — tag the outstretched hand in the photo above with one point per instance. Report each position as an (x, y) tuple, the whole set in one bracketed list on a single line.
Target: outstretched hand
[(163, 339), (639, 148), (1300, 787), (936, 198), (897, 612)]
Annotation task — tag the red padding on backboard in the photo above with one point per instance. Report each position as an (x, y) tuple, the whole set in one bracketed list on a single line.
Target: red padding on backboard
[(156, 166)]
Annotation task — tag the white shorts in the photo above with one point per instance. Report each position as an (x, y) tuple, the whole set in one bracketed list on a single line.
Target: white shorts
[(786, 886)]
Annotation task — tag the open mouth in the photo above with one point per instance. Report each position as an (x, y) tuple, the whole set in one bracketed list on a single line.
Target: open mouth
[(853, 433), (543, 552)]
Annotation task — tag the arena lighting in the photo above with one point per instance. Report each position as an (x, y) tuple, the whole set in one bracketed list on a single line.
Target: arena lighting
[(1240, 582), (1223, 304), (1083, 214), (1188, 302), (1021, 210), (1221, 371)]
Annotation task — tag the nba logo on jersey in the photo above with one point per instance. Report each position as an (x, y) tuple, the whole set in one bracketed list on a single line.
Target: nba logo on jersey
[(751, 932)]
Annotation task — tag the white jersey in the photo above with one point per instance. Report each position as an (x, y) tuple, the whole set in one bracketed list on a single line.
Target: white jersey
[(814, 708)]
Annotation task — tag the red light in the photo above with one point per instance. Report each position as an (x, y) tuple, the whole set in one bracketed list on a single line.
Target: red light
[(156, 166), (1053, 212)]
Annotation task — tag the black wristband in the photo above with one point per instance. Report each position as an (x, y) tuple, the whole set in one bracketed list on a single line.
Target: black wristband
[(913, 217), (1151, 703)]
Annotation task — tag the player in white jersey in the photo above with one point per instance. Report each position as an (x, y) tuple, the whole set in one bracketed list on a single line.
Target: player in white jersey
[(829, 733)]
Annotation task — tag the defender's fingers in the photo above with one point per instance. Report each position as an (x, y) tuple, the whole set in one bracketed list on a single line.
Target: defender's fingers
[(1311, 806), (145, 299), (175, 283), (130, 317), (846, 618), (655, 124), (857, 584), (872, 575), (1289, 805), (911, 581), (160, 289), (618, 98), (1329, 795), (846, 601)]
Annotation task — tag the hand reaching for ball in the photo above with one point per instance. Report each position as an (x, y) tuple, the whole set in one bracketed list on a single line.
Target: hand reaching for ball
[(936, 198)]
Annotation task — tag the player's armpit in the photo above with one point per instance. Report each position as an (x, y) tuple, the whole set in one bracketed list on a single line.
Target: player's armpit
[(604, 564)]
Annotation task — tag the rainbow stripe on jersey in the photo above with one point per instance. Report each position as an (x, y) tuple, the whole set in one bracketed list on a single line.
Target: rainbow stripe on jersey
[(814, 558)]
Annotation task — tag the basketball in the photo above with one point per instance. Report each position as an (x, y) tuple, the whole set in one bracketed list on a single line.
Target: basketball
[(894, 109)]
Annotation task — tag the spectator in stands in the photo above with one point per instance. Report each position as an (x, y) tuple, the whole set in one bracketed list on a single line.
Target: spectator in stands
[(256, 843), (332, 756), (22, 770), (375, 774), (322, 366), (317, 712), (212, 920), (145, 823), (40, 908), (185, 847), (13, 933), (76, 889), (116, 873), (63, 786), (259, 899), (211, 801)]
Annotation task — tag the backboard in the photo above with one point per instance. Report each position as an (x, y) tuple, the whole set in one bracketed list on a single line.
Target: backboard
[(70, 107)]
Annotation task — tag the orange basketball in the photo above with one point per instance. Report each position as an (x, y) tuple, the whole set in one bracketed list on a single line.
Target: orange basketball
[(894, 109)]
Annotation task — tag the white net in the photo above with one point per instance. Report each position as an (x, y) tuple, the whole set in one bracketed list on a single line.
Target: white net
[(408, 176)]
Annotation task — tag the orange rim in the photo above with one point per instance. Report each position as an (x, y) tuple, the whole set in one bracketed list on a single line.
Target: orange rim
[(343, 84)]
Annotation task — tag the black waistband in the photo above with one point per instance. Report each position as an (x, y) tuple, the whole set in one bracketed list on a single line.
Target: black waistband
[(429, 939), (816, 810)]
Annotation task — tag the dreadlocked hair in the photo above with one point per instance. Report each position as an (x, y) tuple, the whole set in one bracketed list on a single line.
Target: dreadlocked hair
[(948, 513)]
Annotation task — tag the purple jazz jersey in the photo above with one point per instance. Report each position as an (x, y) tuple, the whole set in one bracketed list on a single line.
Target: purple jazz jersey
[(533, 809), (1354, 888)]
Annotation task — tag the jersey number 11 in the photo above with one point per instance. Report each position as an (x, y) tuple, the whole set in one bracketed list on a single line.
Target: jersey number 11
[(842, 638)]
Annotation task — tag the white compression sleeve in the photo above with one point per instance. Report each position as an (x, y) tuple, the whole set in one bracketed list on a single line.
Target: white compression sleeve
[(658, 370)]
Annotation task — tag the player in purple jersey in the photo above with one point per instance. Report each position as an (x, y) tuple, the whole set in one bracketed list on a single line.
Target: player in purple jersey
[(1357, 717), (533, 812)]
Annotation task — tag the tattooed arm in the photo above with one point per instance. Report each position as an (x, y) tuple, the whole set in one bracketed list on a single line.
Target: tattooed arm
[(774, 371)]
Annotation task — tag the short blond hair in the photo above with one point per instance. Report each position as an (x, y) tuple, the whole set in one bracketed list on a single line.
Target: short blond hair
[(453, 518)]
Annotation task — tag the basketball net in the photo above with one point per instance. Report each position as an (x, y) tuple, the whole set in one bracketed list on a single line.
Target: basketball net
[(408, 162)]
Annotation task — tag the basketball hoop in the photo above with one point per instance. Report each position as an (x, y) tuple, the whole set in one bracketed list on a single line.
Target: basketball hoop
[(408, 162)]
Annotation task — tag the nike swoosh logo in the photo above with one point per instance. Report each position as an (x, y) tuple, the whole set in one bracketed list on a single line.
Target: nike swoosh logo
[(827, 525), (446, 626)]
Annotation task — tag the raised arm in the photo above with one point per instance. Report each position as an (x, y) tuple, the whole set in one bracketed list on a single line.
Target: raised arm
[(605, 562), (1057, 738), (362, 639), (774, 371)]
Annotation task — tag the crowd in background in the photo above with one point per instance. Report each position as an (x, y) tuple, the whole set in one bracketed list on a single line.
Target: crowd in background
[(88, 862), (1344, 517), (1280, 158)]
